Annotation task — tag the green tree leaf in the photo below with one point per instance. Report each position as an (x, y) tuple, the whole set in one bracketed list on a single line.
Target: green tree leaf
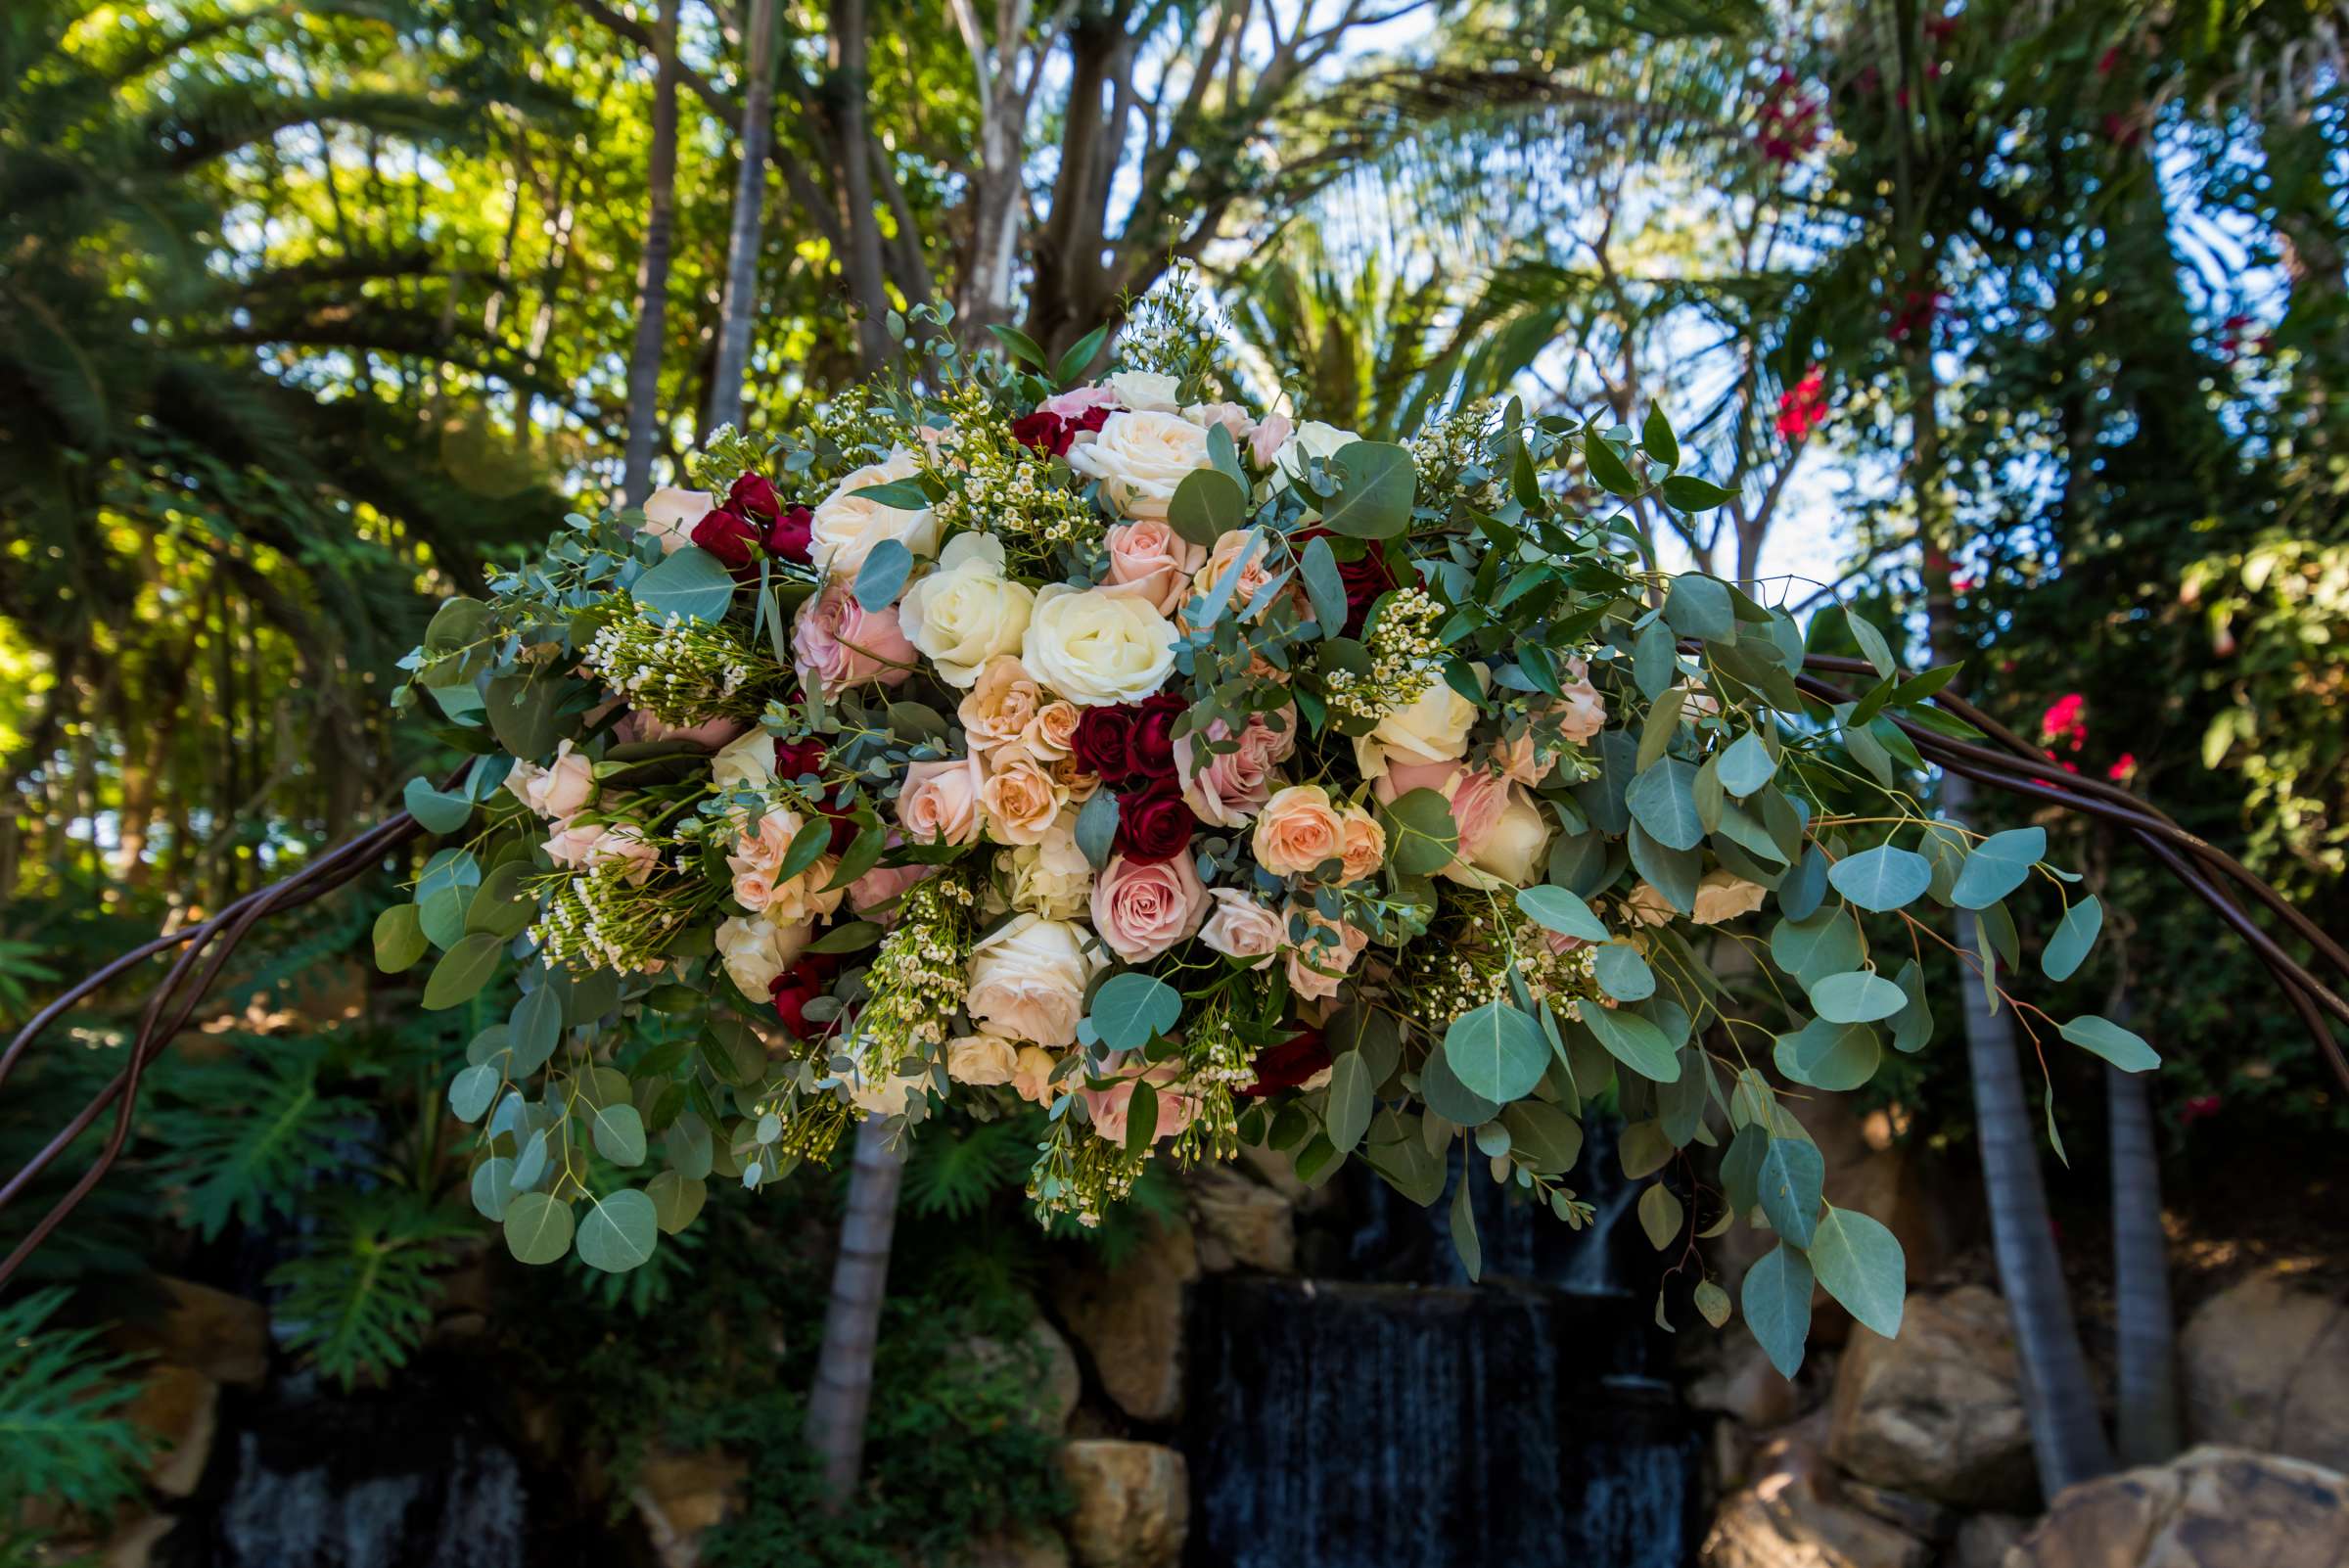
[(1829, 1056), (1423, 837), (503, 905), (1323, 585), (1131, 1008), (1634, 1042), (537, 1228), (1777, 1300), (677, 1199), (1377, 486), (1997, 866), (1663, 801), (1656, 436), (1789, 1174), (462, 970), (1497, 1053), (1855, 997), (2102, 1036), (471, 1091), (1746, 765), (399, 939), (1608, 469), (1544, 1136), (1860, 1263), (1207, 505), (2074, 935), (1097, 827), (493, 1187), (1699, 606), (1558, 909), (1659, 1216), (618, 1133), (882, 576), (1712, 1303), (1913, 1025), (1686, 492), (1463, 1233), (1622, 973), (620, 1233), (1351, 1100), (439, 814), (1882, 879), (690, 582)]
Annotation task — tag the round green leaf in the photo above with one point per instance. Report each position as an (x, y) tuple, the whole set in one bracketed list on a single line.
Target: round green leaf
[(618, 1133), (537, 1228), (1352, 1097), (536, 1027), (1423, 837), (1544, 1136), (1663, 801), (438, 814), (1746, 765), (471, 1091), (620, 1233), (462, 970), (1559, 910), (1861, 1265), (1622, 973), (1376, 487), (502, 905), (1829, 1056), (1882, 879), (1448, 1097), (493, 1188), (1132, 1007), (1855, 997), (677, 1199), (1206, 506), (399, 939), (1776, 1298), (691, 582), (1789, 1177), (1633, 1041), (1825, 942), (1997, 866), (1497, 1052)]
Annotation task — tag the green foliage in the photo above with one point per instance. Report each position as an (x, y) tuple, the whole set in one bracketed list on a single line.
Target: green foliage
[(249, 1136), (362, 1294), (64, 1437)]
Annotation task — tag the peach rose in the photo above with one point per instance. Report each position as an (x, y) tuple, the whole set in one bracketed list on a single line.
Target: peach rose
[(1298, 830), (1583, 711), (1364, 845), (1110, 1107), (1231, 416), (980, 1060), (939, 803), (1141, 910), (1002, 702), (1244, 929), (1032, 1074), (624, 843), (837, 643), (1318, 968), (1235, 546), (1647, 905), (1019, 799), (1148, 560), (1028, 978), (669, 515), (1052, 734), (1725, 895), (560, 789), (1518, 761)]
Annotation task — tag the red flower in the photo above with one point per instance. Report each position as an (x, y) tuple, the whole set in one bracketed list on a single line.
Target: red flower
[(792, 535), (1051, 433), (2199, 1108), (1153, 823), (793, 989), (754, 497), (795, 757), (1288, 1064), (1104, 741), (2066, 720), (1803, 407), (2123, 771), (1150, 753), (727, 537)]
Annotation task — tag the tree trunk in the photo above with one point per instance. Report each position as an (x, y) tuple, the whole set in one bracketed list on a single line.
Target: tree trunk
[(2146, 1416), (843, 1379), (850, 77), (741, 305), (652, 267)]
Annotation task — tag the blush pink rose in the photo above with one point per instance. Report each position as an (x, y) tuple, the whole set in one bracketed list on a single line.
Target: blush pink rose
[(1242, 927), (1299, 829), (570, 844), (558, 790), (627, 846), (1477, 798), (1269, 438), (1080, 400), (875, 894), (1583, 713), (637, 726), (1149, 560), (837, 643), (1111, 1106), (1316, 969), (1141, 909), (1227, 789), (939, 802)]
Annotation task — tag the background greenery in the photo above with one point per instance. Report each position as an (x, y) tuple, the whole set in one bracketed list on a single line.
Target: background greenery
[(2024, 318)]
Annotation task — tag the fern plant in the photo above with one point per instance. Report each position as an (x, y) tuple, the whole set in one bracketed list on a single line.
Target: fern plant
[(362, 1294), (64, 1437), (249, 1136)]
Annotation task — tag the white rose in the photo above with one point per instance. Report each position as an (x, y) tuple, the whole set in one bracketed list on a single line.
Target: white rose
[(1139, 459), (669, 515), (1028, 978), (1314, 438), (1146, 392), (979, 1060), (1511, 855), (1432, 729), (746, 763), (846, 529), (885, 1096), (966, 612), (1051, 877), (754, 950), (1095, 648)]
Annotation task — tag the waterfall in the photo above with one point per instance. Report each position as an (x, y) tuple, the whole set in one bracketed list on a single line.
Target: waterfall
[(1404, 1418)]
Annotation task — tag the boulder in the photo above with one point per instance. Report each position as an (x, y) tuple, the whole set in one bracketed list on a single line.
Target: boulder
[(1043, 1358), (1939, 1411), (1983, 1540), (1791, 1516), (1004, 1549), (1132, 1504), (2266, 1365), (180, 1407), (1129, 1320), (224, 1337), (680, 1496), (2210, 1507), (1740, 1383), (1873, 1167), (1241, 1222)]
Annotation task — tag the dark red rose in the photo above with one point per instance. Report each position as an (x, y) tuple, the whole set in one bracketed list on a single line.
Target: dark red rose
[(1150, 753), (1103, 742), (793, 989), (1093, 418), (727, 536), (752, 496), (845, 827), (795, 757), (1366, 577), (1046, 432), (1153, 823), (1288, 1064), (792, 535)]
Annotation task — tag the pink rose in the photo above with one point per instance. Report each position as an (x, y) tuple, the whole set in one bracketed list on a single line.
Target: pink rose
[(625, 845), (570, 844), (1110, 1107), (1519, 763), (1231, 416), (1583, 713), (1318, 968), (1141, 909), (1228, 788), (1028, 978), (1269, 438), (837, 643), (1242, 927), (939, 803), (875, 894), (1080, 400), (560, 789), (1477, 798), (1003, 701), (1148, 560), (637, 726)]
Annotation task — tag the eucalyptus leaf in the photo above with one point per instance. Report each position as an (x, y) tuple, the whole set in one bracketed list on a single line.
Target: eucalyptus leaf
[(2121, 1048), (620, 1233), (1496, 1052), (1861, 1265), (2074, 935), (1131, 1008), (1996, 866), (539, 1228), (1559, 910), (690, 582), (1882, 879), (1776, 1298)]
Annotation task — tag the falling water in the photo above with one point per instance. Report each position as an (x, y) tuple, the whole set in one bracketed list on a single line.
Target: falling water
[(1404, 1418)]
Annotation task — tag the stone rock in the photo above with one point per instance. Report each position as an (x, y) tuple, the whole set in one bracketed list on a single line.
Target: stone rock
[(1132, 1504), (1129, 1321), (1241, 1222), (1741, 1384), (1037, 1549), (1791, 1517), (134, 1544), (224, 1337), (2210, 1507), (1873, 1168), (1983, 1540), (1042, 1355), (680, 1496), (180, 1408), (1939, 1411), (2266, 1365)]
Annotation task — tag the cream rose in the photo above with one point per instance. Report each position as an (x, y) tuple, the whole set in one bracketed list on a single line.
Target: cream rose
[(1050, 877), (1298, 830), (1019, 800), (756, 951), (1242, 927), (1095, 648), (1432, 729), (1510, 853), (1314, 438), (1032, 1074), (844, 526), (939, 803), (1145, 392), (1028, 978), (1141, 910), (966, 612), (1151, 562), (747, 762), (669, 515), (1139, 458), (1725, 895), (980, 1060), (1647, 905)]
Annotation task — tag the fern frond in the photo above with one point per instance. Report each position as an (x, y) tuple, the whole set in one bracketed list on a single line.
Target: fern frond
[(248, 1135), (955, 1172), (361, 1298), (63, 1435)]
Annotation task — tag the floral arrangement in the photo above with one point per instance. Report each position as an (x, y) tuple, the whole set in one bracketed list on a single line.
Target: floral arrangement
[(1202, 776)]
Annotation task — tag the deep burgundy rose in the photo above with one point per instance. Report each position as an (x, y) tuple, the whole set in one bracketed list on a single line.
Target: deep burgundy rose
[(1150, 753), (1046, 432), (727, 537), (1366, 577), (752, 496), (795, 757), (793, 989), (1288, 1064), (845, 827), (1153, 823), (792, 535), (1103, 742)]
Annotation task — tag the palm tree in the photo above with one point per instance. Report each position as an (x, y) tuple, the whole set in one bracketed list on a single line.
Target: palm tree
[(652, 266), (741, 302)]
